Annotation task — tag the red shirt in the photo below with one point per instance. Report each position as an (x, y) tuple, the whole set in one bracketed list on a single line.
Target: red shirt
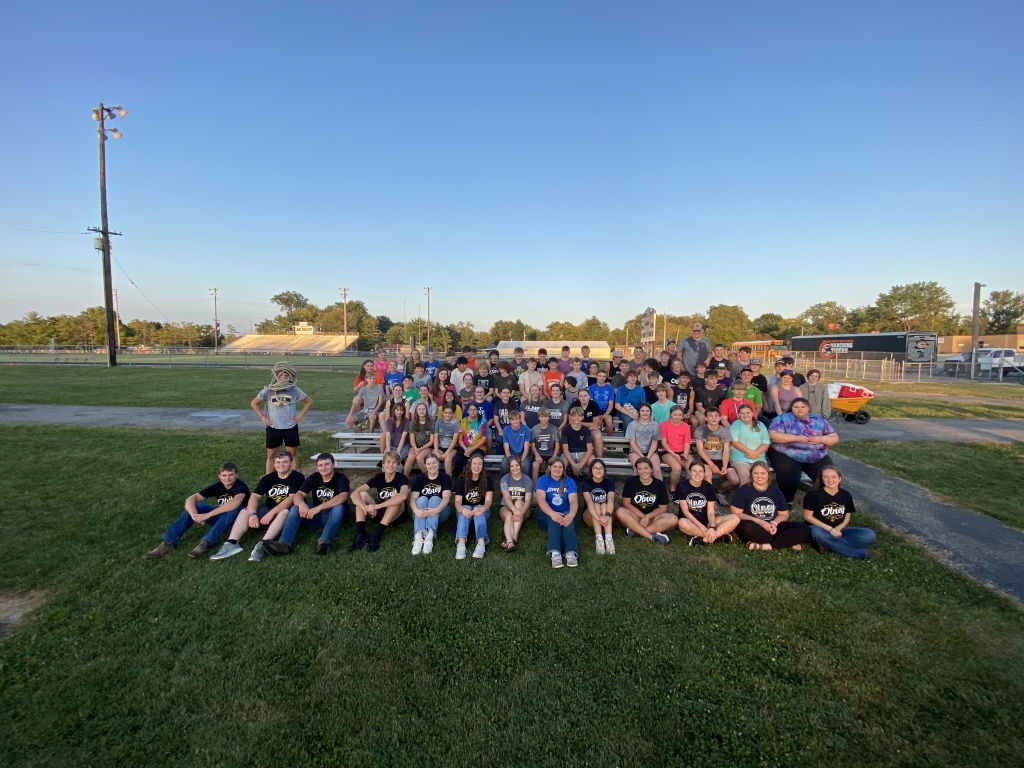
[(731, 409)]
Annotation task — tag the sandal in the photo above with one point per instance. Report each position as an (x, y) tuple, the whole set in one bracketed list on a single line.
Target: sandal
[(752, 545), (512, 545), (505, 544)]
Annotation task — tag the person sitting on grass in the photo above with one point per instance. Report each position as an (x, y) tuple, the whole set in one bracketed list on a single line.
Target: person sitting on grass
[(697, 510), (827, 510), (644, 507), (515, 442), (557, 502), (421, 437), (764, 514), (577, 444), (381, 498), (749, 443), (394, 434), (516, 494), (231, 495), (280, 487), (644, 435), (474, 492), (428, 501), (599, 499), (329, 491), (675, 444), (544, 442), (800, 443), (280, 418), (366, 405)]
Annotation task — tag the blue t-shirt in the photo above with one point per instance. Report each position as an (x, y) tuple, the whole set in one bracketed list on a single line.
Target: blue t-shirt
[(486, 409), (516, 441), (390, 379), (602, 395), (431, 367), (626, 396), (559, 502)]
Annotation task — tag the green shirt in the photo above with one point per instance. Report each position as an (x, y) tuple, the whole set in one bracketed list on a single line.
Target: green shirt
[(659, 411)]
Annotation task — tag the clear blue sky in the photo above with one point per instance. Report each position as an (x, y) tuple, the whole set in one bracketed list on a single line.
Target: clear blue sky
[(536, 160)]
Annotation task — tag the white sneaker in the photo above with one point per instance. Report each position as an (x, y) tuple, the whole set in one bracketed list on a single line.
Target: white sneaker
[(599, 545), (417, 543), (226, 550), (481, 549), (609, 546), (460, 551), (428, 542), (571, 559), (556, 559)]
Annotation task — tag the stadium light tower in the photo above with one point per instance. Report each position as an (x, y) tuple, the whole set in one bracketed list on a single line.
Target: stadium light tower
[(101, 114), (427, 291)]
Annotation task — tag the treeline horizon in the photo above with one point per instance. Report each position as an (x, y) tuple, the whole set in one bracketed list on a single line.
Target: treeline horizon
[(921, 306)]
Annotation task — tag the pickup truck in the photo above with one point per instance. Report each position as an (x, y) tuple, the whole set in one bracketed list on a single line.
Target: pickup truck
[(1001, 360)]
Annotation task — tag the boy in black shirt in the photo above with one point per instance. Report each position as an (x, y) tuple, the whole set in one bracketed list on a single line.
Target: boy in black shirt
[(279, 487), (230, 493), (651, 387), (329, 491), (708, 396), (380, 498)]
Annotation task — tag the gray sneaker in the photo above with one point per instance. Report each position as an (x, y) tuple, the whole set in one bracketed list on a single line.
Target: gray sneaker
[(571, 560), (227, 549), (257, 552), (661, 538)]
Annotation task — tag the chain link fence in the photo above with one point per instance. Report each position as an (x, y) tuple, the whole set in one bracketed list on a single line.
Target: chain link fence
[(898, 372)]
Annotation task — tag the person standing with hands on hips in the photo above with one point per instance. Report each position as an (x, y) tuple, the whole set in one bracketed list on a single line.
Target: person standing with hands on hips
[(280, 418)]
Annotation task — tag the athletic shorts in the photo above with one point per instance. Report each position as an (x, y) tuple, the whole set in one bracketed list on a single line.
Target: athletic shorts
[(359, 417), (700, 517), (290, 437)]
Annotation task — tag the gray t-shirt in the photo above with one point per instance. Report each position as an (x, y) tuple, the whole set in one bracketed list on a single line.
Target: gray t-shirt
[(694, 351), (644, 434), (545, 438), (445, 432), (281, 405), (517, 489), (559, 410), (418, 381), (713, 442), (370, 393)]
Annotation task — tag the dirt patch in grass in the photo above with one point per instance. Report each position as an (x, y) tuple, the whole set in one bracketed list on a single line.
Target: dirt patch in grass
[(14, 608)]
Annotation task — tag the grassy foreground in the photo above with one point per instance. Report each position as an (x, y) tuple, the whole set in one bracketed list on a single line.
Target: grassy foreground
[(657, 656), (984, 477), (162, 387)]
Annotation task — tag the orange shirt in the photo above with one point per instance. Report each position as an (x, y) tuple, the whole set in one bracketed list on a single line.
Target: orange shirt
[(552, 377), (360, 381)]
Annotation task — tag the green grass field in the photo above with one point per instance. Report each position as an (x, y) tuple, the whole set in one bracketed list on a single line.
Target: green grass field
[(984, 477), (886, 407), (952, 387), (657, 656), (163, 387)]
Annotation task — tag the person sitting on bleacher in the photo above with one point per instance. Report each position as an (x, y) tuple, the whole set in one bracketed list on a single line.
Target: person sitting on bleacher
[(593, 418), (557, 406), (366, 404), (644, 436), (603, 395), (800, 444), (628, 399)]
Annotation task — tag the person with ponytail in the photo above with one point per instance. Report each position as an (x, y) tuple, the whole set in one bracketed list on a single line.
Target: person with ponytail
[(827, 510), (280, 397), (557, 504)]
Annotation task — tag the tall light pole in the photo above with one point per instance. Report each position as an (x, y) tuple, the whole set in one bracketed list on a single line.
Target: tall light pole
[(216, 319), (344, 301), (975, 323), (100, 115), (427, 291)]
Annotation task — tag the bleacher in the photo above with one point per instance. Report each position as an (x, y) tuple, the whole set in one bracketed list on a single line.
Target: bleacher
[(304, 343)]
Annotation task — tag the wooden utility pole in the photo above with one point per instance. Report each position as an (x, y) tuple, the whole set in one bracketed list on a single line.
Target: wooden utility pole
[(344, 302), (975, 322), (427, 290), (216, 320)]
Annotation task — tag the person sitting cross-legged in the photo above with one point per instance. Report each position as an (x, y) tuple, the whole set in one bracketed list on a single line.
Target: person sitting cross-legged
[(644, 506), (698, 513), (381, 498), (329, 490), (231, 495), (764, 514), (280, 487)]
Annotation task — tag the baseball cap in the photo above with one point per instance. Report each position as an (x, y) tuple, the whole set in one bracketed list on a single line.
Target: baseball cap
[(617, 353), (697, 327), (755, 360)]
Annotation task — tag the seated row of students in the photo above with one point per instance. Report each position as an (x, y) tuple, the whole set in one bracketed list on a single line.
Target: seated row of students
[(284, 500)]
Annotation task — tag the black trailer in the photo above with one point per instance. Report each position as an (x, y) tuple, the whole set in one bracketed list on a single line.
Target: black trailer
[(909, 346)]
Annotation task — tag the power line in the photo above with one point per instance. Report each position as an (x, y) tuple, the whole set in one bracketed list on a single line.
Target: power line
[(45, 231), (165, 317)]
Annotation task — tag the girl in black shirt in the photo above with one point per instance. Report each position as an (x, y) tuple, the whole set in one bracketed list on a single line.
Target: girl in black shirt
[(698, 514), (764, 514), (827, 509)]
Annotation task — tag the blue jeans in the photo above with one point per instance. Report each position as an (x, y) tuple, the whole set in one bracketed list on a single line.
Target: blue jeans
[(479, 525), (431, 522), (560, 537), (218, 525), (626, 418), (526, 463), (497, 441), (328, 519), (852, 544)]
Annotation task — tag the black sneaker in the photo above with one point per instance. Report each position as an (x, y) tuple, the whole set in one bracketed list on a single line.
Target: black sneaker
[(374, 544), (725, 538), (359, 541), (277, 548), (696, 541), (323, 548)]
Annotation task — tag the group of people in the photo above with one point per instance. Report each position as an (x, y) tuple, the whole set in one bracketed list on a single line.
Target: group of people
[(548, 417)]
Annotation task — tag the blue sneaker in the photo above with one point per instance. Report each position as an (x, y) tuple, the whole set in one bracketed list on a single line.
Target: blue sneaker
[(661, 538)]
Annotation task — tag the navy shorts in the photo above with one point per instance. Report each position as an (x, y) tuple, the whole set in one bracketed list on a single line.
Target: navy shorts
[(290, 437)]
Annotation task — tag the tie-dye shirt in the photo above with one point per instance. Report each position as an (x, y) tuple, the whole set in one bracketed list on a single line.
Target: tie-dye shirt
[(812, 426)]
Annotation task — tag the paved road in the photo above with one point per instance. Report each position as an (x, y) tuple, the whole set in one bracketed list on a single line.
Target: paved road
[(951, 430), (973, 543)]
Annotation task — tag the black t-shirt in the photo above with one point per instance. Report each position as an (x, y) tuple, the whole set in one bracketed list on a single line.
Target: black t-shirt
[(529, 411), (598, 491), (651, 395), (385, 489), (682, 397), (696, 499), (325, 490), (830, 510), (645, 497), (501, 410), (224, 495), (502, 382), (799, 379), (518, 369), (424, 486), (710, 398), (483, 381), (276, 489), (761, 382), (764, 505), (472, 496), (590, 412), (576, 441), (665, 372), (718, 365)]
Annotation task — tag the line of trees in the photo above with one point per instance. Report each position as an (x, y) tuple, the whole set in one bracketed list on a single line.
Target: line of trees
[(921, 306)]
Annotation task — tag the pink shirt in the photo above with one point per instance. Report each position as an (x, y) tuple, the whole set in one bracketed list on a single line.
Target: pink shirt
[(677, 438)]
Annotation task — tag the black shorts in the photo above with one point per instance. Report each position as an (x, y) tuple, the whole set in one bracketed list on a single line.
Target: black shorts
[(700, 517), (290, 437)]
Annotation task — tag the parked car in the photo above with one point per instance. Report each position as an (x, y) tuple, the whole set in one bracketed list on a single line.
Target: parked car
[(1004, 360)]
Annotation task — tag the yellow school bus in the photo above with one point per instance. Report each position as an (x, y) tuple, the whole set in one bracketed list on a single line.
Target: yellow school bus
[(767, 349)]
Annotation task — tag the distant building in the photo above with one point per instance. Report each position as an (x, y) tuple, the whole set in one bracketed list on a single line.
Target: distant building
[(304, 329)]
